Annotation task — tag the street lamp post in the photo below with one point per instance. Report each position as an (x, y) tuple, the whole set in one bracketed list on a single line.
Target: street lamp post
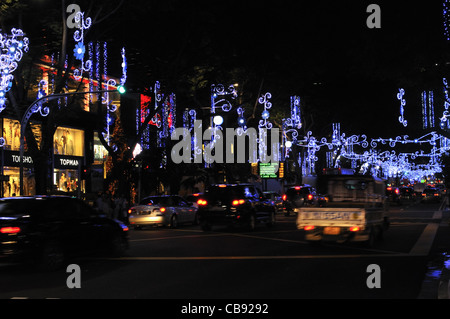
[(33, 109)]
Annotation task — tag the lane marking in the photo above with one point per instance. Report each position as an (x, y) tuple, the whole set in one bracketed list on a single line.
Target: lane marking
[(173, 237), (425, 241), (187, 258)]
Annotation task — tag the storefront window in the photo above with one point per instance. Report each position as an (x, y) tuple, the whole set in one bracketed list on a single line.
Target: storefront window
[(11, 187), (68, 141), (100, 152), (66, 180), (11, 134)]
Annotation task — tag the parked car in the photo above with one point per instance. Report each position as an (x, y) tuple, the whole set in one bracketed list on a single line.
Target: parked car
[(49, 229), (234, 204), (164, 210), (298, 196), (431, 195), (275, 198)]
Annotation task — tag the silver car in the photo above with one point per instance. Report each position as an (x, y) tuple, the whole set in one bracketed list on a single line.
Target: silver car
[(164, 210)]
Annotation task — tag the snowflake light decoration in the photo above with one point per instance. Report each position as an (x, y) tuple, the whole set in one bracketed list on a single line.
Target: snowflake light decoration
[(11, 52)]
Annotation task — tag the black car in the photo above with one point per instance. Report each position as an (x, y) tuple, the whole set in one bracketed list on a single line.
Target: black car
[(234, 204), (393, 194), (407, 193), (298, 196), (48, 229)]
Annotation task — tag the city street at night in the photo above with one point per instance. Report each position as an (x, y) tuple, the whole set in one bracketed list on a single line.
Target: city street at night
[(276, 263), (225, 158)]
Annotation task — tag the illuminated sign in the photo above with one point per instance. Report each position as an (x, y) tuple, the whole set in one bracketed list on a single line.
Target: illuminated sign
[(268, 170)]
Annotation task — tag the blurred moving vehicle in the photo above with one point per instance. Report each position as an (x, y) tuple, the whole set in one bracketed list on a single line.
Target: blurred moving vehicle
[(275, 198), (164, 210), (356, 210), (431, 195), (234, 204), (49, 229), (298, 196)]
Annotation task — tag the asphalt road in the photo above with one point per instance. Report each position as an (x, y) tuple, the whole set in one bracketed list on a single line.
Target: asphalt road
[(268, 263)]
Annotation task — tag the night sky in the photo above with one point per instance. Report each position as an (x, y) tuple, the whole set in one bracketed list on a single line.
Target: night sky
[(322, 51)]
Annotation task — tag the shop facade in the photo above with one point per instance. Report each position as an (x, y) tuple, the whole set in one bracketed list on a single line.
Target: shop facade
[(69, 157)]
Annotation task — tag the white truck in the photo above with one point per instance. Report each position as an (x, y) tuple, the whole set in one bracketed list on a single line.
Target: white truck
[(353, 208)]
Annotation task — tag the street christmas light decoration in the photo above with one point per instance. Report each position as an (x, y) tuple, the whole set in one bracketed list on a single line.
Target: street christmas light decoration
[(445, 14), (401, 118), (444, 119), (80, 49), (218, 97), (291, 125), (12, 47)]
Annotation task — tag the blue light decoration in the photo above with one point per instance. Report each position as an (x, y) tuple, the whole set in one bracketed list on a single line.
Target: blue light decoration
[(401, 118), (124, 65), (242, 127), (431, 108), (80, 49), (424, 110), (291, 125), (12, 47), (444, 119), (264, 125), (218, 97), (445, 14)]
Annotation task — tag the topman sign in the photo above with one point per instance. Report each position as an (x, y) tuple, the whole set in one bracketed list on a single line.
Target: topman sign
[(67, 162)]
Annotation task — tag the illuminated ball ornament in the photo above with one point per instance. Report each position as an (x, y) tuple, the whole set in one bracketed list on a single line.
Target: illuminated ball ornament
[(265, 115), (218, 120)]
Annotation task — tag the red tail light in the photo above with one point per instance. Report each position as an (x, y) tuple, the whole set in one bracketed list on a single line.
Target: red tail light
[(310, 196), (397, 191), (284, 197), (354, 228), (202, 202), (309, 227), (237, 202), (10, 230), (162, 209)]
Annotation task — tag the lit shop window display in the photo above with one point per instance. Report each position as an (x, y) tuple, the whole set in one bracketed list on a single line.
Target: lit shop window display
[(68, 141), (11, 186), (11, 133), (67, 180)]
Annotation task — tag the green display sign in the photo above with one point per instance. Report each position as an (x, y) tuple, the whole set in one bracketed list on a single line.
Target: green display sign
[(268, 170)]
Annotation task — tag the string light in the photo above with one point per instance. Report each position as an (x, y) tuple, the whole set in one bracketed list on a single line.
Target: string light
[(12, 47), (401, 118)]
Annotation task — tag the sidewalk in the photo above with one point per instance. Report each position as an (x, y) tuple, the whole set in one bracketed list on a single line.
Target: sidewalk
[(436, 284)]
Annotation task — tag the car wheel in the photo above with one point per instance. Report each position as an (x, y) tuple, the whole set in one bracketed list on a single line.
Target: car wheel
[(51, 256), (174, 221)]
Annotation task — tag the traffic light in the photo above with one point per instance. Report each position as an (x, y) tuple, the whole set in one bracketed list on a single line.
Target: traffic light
[(85, 172), (121, 89)]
